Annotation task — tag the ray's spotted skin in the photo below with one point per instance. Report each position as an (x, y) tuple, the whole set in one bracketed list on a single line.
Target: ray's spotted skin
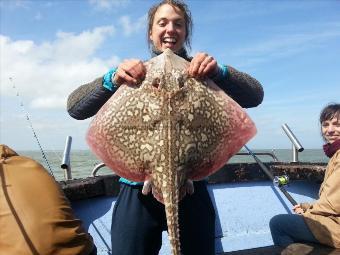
[(168, 131)]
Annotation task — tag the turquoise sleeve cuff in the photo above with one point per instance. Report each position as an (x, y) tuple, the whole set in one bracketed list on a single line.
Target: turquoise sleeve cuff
[(221, 74), (126, 181), (107, 80), (224, 70)]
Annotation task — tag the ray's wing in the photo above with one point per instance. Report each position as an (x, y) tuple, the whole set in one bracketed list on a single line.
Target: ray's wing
[(221, 128), (124, 132)]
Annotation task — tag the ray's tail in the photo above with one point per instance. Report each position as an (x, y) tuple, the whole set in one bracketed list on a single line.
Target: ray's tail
[(170, 198)]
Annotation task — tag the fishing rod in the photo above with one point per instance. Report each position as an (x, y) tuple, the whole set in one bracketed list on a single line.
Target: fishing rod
[(31, 126), (280, 181)]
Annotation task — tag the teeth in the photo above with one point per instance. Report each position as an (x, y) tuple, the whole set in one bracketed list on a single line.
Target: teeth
[(170, 40)]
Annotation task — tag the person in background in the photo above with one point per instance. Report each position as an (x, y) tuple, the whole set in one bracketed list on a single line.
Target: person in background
[(318, 222), (138, 218), (35, 216)]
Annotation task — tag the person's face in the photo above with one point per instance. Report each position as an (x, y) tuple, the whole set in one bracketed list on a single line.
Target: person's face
[(168, 28), (331, 129)]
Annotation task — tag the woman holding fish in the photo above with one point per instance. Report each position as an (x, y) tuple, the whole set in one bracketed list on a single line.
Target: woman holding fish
[(138, 218)]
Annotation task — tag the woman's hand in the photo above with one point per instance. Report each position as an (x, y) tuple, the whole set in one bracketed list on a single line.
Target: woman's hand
[(297, 209), (202, 65), (130, 71)]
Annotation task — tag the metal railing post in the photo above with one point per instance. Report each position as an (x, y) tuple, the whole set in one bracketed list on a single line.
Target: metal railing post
[(65, 164), (295, 154), (296, 145)]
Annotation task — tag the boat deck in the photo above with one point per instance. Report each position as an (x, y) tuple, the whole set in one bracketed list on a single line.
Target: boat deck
[(243, 199), (243, 211), (294, 249)]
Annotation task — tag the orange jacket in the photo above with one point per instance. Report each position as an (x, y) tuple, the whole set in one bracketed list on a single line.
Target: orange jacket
[(35, 216), (323, 216)]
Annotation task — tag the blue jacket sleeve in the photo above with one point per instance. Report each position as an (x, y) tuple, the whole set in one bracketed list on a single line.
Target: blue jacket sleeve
[(243, 88), (86, 100)]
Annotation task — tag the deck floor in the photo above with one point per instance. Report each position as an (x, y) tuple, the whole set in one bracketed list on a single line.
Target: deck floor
[(243, 211), (294, 249)]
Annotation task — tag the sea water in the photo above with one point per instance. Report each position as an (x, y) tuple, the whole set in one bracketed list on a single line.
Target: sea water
[(82, 162)]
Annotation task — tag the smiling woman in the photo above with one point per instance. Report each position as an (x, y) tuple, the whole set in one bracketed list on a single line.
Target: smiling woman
[(318, 222), (138, 218), (330, 123), (169, 27)]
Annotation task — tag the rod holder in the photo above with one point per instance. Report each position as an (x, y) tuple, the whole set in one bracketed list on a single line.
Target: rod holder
[(65, 164), (296, 145)]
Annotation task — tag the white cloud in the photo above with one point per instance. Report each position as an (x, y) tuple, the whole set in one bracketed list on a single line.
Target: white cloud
[(130, 27), (108, 4), (46, 73)]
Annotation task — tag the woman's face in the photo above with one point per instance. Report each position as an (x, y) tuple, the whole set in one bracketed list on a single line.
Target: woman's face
[(168, 28), (331, 129)]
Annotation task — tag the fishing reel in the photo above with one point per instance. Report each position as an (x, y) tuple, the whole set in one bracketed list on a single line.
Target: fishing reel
[(281, 180)]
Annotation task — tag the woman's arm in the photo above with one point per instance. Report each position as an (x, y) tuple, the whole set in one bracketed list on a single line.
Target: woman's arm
[(329, 200), (242, 87), (85, 101)]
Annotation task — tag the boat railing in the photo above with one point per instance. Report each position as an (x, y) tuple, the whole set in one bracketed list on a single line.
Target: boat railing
[(65, 163), (296, 145), (296, 148), (271, 154), (96, 169)]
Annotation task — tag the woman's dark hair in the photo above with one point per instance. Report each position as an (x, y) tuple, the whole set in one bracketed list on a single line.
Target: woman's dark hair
[(187, 17), (329, 112)]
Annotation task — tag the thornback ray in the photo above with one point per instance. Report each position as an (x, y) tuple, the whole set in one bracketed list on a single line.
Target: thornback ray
[(170, 129)]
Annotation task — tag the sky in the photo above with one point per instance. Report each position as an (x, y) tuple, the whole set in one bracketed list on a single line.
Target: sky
[(49, 48)]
